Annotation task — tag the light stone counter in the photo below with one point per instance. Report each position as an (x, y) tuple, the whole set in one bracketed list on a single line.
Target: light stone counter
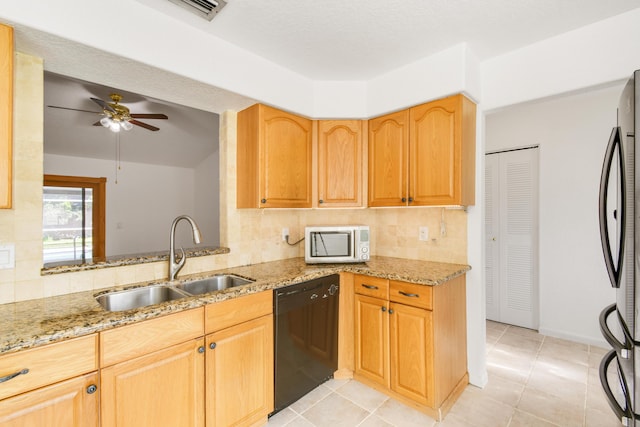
[(32, 323)]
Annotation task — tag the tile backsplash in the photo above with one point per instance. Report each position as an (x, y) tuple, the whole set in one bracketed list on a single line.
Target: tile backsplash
[(253, 235)]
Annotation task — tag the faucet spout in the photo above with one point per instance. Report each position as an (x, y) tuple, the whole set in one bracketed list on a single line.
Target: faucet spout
[(175, 266)]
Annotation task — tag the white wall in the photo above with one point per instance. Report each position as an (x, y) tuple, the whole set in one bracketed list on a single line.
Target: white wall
[(572, 132), (143, 203)]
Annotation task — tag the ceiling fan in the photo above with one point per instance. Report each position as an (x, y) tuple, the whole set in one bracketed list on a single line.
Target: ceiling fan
[(117, 116)]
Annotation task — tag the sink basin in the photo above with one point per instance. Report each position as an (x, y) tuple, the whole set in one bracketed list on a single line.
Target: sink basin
[(211, 284), (138, 297)]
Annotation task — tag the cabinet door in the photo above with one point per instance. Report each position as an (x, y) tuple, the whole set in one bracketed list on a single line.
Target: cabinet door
[(164, 388), (411, 346), (442, 152), (70, 403), (371, 339), (6, 115), (285, 160), (240, 374), (388, 156), (339, 163)]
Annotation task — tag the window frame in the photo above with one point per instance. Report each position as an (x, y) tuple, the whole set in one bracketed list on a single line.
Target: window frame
[(98, 185)]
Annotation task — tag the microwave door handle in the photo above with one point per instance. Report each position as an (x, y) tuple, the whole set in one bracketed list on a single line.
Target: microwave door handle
[(612, 270)]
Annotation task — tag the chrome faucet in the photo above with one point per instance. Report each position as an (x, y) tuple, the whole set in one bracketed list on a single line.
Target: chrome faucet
[(175, 266)]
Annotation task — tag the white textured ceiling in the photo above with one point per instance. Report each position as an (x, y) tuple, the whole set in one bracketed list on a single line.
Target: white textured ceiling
[(360, 39)]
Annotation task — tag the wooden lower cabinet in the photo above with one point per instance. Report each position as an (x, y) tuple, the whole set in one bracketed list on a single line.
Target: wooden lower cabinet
[(410, 349), (71, 403), (412, 344), (239, 379), (371, 339), (164, 388)]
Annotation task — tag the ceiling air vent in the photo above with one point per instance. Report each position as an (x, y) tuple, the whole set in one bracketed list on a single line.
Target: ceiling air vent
[(206, 9)]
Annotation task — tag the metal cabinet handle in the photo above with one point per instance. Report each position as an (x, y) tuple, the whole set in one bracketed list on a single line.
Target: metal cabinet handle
[(15, 374), (263, 201), (200, 349), (212, 345), (410, 199), (92, 389), (321, 201), (369, 286), (407, 294), (391, 311), (384, 308), (404, 199)]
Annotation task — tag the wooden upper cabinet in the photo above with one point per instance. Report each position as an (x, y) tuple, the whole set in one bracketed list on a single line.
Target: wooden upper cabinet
[(339, 182), (273, 159), (6, 115), (424, 156), (388, 156), (442, 152)]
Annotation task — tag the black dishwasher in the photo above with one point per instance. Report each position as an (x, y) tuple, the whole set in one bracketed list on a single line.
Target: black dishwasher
[(306, 337)]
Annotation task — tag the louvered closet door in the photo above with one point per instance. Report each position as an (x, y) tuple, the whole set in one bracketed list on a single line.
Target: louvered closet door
[(512, 236)]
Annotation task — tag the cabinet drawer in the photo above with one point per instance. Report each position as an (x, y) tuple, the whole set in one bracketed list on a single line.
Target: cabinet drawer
[(411, 294), (48, 364), (372, 286), (135, 340), (234, 311)]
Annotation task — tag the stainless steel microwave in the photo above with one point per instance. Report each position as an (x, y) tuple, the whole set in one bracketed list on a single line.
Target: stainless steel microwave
[(336, 244)]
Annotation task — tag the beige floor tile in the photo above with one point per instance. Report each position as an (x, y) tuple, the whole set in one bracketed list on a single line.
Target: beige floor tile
[(550, 408), (361, 395), (523, 343), (374, 421), (310, 399), (282, 418), (571, 392), (334, 384), (503, 390), (522, 419), (301, 422), (573, 352), (510, 363), (401, 415), (496, 325), (524, 332), (335, 411), (596, 418), (479, 410), (454, 420), (560, 368)]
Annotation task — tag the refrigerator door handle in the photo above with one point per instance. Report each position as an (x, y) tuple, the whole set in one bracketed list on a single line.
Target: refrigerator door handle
[(612, 268), (625, 415), (624, 350)]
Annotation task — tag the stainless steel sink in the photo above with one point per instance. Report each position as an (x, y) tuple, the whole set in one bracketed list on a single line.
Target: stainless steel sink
[(212, 284), (139, 297)]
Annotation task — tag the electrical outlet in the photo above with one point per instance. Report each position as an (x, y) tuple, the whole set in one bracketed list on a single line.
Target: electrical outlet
[(423, 234), (285, 233)]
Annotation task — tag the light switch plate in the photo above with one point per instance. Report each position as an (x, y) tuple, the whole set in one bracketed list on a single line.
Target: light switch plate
[(7, 256)]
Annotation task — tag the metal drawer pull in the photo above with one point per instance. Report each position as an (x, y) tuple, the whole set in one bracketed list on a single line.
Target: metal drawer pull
[(12, 376), (407, 294), (369, 286)]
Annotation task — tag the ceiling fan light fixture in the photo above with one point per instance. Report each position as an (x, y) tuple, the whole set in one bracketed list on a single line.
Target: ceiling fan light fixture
[(105, 121), (114, 126), (126, 125)]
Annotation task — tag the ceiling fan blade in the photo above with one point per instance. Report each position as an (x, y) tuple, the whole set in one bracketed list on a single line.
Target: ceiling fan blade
[(149, 116), (103, 104), (74, 109), (144, 125)]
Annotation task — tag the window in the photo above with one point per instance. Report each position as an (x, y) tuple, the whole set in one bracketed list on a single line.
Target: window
[(73, 218)]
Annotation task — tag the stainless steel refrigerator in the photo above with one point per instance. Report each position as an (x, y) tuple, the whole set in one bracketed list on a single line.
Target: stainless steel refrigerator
[(619, 212)]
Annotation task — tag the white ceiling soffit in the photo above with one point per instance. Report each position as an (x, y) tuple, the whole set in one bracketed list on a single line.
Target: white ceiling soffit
[(361, 39)]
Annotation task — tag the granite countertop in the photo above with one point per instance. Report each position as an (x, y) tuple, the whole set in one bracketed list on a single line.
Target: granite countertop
[(32, 323)]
